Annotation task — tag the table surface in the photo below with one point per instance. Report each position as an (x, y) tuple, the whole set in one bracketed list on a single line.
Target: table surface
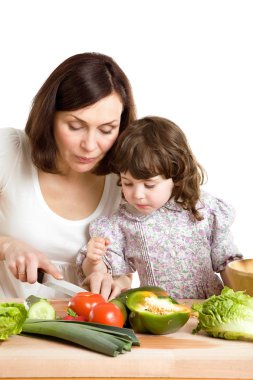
[(174, 356)]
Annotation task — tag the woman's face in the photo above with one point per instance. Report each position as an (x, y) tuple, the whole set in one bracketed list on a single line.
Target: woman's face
[(84, 136)]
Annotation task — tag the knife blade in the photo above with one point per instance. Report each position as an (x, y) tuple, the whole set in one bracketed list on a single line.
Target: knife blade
[(62, 286)]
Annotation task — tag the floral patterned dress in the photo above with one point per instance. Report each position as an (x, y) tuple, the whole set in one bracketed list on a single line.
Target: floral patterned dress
[(168, 248)]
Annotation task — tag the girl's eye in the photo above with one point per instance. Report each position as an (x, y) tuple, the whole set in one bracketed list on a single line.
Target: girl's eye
[(149, 186), (127, 184)]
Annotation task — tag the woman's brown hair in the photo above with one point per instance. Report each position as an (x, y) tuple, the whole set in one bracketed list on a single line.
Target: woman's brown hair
[(78, 82), (156, 146)]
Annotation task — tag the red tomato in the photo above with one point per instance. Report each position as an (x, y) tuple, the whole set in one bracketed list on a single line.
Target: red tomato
[(107, 313), (83, 302), (72, 318)]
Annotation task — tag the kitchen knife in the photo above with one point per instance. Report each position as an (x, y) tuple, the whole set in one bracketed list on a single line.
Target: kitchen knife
[(62, 286)]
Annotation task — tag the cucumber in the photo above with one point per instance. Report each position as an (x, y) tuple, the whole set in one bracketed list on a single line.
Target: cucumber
[(39, 308)]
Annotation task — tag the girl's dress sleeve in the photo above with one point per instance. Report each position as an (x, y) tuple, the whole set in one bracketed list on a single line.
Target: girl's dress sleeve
[(115, 261), (223, 248)]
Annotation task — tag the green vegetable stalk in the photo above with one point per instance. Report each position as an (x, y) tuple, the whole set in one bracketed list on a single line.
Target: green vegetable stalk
[(105, 339), (228, 315), (12, 317)]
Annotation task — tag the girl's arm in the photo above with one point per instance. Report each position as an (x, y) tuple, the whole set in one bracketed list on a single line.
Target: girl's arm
[(95, 274), (93, 262), (111, 275)]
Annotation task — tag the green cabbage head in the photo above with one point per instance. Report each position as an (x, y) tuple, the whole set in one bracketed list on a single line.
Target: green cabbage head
[(228, 315), (12, 317)]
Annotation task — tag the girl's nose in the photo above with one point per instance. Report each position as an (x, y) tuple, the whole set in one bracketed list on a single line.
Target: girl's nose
[(138, 192)]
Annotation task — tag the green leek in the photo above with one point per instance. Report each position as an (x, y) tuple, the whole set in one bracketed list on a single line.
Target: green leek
[(104, 339)]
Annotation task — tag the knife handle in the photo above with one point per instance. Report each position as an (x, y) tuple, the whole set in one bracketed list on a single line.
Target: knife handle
[(40, 275)]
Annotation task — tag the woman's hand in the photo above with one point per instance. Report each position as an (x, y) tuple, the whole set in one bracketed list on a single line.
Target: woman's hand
[(106, 285), (23, 260)]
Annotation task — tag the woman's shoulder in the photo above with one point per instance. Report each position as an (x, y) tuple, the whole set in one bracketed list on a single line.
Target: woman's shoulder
[(113, 180), (11, 138), (111, 196), (14, 149), (13, 142)]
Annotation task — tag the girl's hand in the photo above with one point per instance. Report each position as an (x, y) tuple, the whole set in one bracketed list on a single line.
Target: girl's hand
[(106, 285), (102, 283), (23, 261), (96, 249)]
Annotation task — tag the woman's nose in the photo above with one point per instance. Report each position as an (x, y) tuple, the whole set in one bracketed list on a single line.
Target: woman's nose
[(88, 141)]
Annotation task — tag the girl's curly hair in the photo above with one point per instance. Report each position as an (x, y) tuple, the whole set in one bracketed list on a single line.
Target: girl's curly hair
[(154, 146)]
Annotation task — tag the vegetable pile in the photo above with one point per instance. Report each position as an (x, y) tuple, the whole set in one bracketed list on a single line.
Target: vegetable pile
[(97, 325), (147, 309), (228, 315), (108, 338), (38, 317), (105, 327)]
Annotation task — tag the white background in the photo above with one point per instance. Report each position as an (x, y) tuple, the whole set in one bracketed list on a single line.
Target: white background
[(188, 60)]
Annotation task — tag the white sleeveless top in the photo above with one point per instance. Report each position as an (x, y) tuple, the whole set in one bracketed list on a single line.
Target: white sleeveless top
[(25, 215)]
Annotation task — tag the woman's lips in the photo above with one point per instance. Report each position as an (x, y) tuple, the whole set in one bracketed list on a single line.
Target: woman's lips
[(86, 160)]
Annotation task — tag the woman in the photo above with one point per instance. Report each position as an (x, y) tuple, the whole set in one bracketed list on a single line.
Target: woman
[(54, 177)]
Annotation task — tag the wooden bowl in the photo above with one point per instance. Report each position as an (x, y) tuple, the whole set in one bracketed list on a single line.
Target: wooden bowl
[(240, 274)]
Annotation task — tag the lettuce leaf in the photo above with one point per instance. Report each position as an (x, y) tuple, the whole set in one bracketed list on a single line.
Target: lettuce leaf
[(12, 317), (228, 315)]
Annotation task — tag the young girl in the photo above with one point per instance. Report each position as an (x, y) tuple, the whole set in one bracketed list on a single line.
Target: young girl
[(168, 230)]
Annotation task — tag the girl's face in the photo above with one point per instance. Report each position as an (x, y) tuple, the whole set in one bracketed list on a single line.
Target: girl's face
[(84, 136), (146, 195)]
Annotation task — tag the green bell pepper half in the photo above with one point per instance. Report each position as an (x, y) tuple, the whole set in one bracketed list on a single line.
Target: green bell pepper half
[(120, 300), (155, 314), (154, 289)]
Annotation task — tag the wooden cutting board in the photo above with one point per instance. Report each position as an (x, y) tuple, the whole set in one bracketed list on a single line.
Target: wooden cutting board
[(178, 355)]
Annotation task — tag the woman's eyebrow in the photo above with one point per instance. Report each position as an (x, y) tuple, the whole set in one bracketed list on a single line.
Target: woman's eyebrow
[(100, 125), (109, 123), (78, 119)]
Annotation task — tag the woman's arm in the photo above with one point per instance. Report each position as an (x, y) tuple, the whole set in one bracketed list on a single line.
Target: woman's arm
[(3, 245)]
